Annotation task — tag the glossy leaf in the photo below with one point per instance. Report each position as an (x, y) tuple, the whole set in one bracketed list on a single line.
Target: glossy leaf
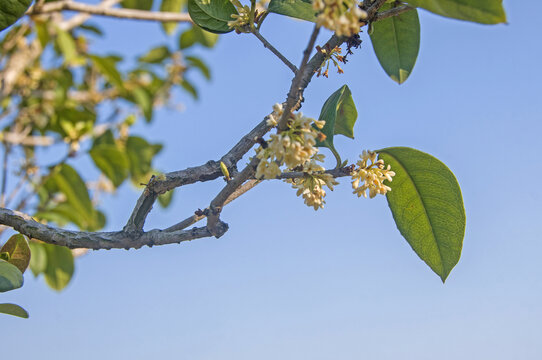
[(38, 260), (18, 250), (340, 115), (480, 11), (171, 6), (396, 42), (137, 4), (11, 11), (111, 161), (156, 55), (199, 64), (14, 310), (10, 277), (60, 266), (299, 9), (212, 15), (427, 207)]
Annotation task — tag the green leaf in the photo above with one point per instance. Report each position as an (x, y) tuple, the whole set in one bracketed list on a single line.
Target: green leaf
[(144, 99), (140, 154), (190, 88), (156, 55), (480, 11), (60, 266), (111, 161), (212, 15), (66, 180), (198, 63), (11, 11), (396, 42), (38, 261), (66, 44), (299, 9), (107, 66), (165, 199), (427, 207), (197, 35), (15, 310), (107, 138), (171, 6), (340, 115), (42, 33), (18, 250), (137, 4), (10, 277)]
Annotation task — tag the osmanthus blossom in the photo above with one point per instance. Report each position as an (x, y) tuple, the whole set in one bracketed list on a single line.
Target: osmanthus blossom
[(344, 17), (370, 175)]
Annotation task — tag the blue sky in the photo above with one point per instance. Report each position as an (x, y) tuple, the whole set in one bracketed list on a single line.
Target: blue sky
[(287, 282)]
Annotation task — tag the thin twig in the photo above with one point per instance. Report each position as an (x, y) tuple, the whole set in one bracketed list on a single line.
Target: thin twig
[(392, 12), (98, 10), (7, 150), (274, 51)]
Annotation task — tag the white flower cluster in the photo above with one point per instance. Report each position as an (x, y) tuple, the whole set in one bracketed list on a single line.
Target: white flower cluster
[(293, 147), (342, 16), (242, 19), (310, 186), (370, 176)]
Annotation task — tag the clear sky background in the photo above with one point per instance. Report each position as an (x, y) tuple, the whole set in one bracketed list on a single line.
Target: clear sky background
[(286, 282)]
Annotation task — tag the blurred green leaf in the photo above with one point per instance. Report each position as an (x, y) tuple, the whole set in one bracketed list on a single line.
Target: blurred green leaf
[(112, 162), (340, 115), (427, 207), (107, 66), (396, 42), (66, 45), (11, 11), (185, 84), (299, 9), (38, 260), (171, 6), (212, 15), (60, 266), (197, 35), (156, 55), (137, 4), (140, 153), (18, 250), (165, 199), (144, 99), (198, 63), (14, 310), (10, 277), (480, 11)]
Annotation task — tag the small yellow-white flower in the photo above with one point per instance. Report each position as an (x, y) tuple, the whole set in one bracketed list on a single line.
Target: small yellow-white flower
[(370, 175), (342, 16), (310, 186)]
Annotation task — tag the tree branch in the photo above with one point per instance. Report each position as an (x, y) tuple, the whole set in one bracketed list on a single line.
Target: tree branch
[(392, 12), (267, 45), (98, 10)]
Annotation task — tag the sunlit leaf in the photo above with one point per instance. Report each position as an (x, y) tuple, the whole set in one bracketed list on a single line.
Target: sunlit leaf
[(171, 6), (196, 35), (427, 207), (140, 154), (107, 66), (38, 260), (18, 250)]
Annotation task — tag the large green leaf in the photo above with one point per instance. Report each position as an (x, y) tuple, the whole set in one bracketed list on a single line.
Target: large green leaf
[(396, 42), (427, 206), (197, 35), (340, 115), (111, 161), (18, 250), (171, 6), (137, 4), (11, 11), (299, 9), (15, 310), (480, 11), (38, 261), (10, 277), (212, 15), (60, 266)]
